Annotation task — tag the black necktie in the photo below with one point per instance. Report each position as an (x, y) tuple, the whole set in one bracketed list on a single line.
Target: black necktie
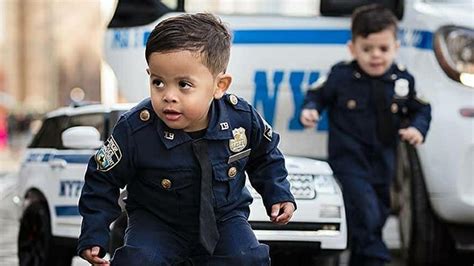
[(208, 233), (385, 130)]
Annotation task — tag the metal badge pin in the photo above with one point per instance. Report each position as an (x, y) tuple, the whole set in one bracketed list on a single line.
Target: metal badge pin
[(224, 125)]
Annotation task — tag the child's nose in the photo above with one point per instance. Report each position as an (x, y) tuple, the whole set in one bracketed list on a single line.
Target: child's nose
[(170, 96)]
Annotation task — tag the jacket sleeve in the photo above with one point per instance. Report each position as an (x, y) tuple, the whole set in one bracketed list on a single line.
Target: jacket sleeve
[(419, 111), (320, 94), (108, 171), (266, 167)]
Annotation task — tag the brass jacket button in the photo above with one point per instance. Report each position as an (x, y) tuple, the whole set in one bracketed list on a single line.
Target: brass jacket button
[(144, 115), (166, 183), (232, 172)]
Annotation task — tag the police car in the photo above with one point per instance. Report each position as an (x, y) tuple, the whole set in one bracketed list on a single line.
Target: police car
[(52, 176)]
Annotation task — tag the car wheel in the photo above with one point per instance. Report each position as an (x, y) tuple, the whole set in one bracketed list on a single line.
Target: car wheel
[(34, 238), (36, 245), (424, 238)]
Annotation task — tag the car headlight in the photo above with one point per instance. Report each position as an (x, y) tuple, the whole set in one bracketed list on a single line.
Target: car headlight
[(454, 50)]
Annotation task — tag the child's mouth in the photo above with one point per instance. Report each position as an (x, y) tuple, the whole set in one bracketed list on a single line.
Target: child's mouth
[(171, 115)]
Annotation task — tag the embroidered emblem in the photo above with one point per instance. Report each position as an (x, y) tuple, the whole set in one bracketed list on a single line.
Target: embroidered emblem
[(401, 87), (239, 142), (169, 135), (108, 155), (224, 125), (144, 115)]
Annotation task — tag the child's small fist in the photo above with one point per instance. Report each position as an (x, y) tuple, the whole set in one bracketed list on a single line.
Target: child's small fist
[(282, 212), (309, 117), (412, 135), (92, 256)]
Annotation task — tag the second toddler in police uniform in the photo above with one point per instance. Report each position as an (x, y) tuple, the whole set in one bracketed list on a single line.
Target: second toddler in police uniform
[(371, 102), (183, 154)]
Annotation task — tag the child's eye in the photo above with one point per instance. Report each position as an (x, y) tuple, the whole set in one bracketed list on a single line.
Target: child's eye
[(366, 49), (184, 84), (158, 83), (384, 49)]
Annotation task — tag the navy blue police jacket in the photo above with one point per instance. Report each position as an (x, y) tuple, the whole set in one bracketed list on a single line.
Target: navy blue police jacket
[(354, 148), (162, 175)]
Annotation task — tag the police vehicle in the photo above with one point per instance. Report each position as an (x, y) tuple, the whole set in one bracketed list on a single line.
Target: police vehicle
[(281, 46), (52, 176)]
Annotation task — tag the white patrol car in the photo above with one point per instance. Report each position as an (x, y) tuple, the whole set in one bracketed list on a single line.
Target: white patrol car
[(52, 176)]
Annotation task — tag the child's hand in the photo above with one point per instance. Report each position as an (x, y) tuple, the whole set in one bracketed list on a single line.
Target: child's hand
[(309, 117), (412, 135), (92, 256), (282, 212)]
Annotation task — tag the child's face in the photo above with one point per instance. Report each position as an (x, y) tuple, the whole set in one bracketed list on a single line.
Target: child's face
[(375, 54), (182, 89)]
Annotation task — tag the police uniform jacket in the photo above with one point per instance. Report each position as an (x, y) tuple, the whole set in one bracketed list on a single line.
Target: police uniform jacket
[(348, 94), (162, 174)]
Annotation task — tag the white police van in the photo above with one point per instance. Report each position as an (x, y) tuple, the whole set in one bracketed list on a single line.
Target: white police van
[(279, 48)]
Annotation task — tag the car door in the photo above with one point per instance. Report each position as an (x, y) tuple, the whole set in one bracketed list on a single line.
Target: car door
[(67, 170)]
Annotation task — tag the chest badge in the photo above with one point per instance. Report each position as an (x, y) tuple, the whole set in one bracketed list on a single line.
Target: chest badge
[(401, 87), (239, 142)]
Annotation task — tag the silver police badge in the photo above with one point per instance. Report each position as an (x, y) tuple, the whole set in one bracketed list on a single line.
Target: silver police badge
[(401, 87), (239, 142), (108, 155)]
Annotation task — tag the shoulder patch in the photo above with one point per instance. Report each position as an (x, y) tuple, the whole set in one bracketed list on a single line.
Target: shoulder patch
[(267, 130), (108, 155)]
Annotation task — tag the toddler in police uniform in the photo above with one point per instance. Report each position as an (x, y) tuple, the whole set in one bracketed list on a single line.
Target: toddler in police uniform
[(183, 154), (371, 103)]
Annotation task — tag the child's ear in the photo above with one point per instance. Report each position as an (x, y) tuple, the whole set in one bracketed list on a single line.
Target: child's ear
[(223, 83), (397, 45), (351, 47)]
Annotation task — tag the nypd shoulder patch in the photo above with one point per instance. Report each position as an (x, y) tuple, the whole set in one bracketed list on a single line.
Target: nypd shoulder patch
[(108, 155)]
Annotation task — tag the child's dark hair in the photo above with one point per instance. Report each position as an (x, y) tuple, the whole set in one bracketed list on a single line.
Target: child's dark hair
[(372, 19), (202, 33)]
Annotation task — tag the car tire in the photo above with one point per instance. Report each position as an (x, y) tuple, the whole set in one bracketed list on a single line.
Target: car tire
[(424, 238), (35, 241)]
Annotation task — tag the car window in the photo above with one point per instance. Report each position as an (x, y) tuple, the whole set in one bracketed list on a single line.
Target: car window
[(92, 120), (49, 135)]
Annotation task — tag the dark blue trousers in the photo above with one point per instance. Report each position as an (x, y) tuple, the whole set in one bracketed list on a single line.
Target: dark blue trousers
[(367, 207), (149, 241)]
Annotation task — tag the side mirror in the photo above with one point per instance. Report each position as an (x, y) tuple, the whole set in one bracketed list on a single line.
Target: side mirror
[(81, 137)]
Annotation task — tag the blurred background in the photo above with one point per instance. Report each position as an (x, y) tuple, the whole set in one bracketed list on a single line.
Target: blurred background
[(50, 56)]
